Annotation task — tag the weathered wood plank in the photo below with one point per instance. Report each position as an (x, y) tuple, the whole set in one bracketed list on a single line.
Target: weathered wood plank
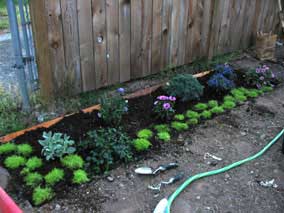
[(86, 45), (197, 23), (112, 11), (222, 46), (207, 16), (124, 40), (100, 41)]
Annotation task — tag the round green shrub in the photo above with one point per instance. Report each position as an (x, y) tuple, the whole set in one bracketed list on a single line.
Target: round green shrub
[(54, 176), (33, 163), (217, 110), (235, 92), (240, 98), (266, 89), (229, 105), (179, 117), (33, 179), (192, 114), (212, 103), (41, 195), (72, 162), (145, 133), (14, 162), (185, 87), (141, 144), (24, 149), (200, 107), (164, 136), (162, 128), (80, 177), (229, 98), (206, 114), (252, 94), (7, 148), (179, 126), (192, 121)]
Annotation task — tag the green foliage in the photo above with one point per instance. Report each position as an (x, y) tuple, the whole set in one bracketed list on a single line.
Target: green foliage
[(229, 98), (141, 144), (105, 146), (266, 88), (164, 107), (7, 148), (185, 86), (243, 90), (145, 133), (206, 114), (229, 105), (80, 177), (41, 195), (14, 162), (252, 94), (240, 98), (33, 179), (217, 110), (162, 128), (33, 163), (72, 162), (192, 114), (237, 92), (164, 136), (212, 103), (179, 117), (179, 126), (192, 121), (24, 149), (55, 146), (200, 107), (54, 176)]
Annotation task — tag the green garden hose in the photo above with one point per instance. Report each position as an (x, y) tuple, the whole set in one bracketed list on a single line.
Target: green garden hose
[(218, 171)]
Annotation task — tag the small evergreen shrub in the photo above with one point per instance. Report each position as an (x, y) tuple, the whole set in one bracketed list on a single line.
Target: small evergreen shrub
[(33, 163), (185, 87), (141, 144), (192, 114), (164, 136), (14, 162), (192, 121), (217, 110), (80, 177), (33, 179), (200, 107), (206, 114), (229, 98), (7, 148), (24, 149), (72, 162), (42, 195), (54, 176), (179, 126), (145, 133), (212, 104), (162, 128), (228, 105), (179, 117)]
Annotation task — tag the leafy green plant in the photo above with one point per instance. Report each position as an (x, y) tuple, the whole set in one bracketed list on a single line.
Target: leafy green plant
[(7, 148), (145, 133), (164, 136), (141, 144), (56, 145), (164, 107), (236, 92), (54, 176), (14, 162), (217, 110), (179, 117), (192, 114), (105, 146), (33, 179), (179, 126), (33, 163), (228, 105), (42, 195), (192, 121), (240, 98), (162, 128), (185, 87), (212, 103), (229, 98), (206, 114), (80, 177), (252, 94), (200, 107), (72, 162), (24, 149), (266, 88)]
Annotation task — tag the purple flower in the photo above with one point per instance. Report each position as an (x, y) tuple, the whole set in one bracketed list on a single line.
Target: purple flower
[(99, 115), (258, 70), (162, 98), (172, 98), (166, 106), (156, 102), (121, 90), (261, 78), (272, 75), (125, 109), (258, 86)]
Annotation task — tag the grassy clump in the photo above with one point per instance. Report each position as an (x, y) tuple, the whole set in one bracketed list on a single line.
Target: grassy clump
[(7, 148), (33, 179), (80, 176), (217, 110), (229, 105), (229, 98), (41, 195), (236, 92), (266, 89), (141, 144), (179, 117), (145, 133), (72, 162), (162, 128), (192, 121), (179, 126), (54, 176), (192, 114), (240, 98), (164, 136), (24, 149), (252, 94), (212, 103), (200, 107), (206, 114), (14, 162), (33, 163)]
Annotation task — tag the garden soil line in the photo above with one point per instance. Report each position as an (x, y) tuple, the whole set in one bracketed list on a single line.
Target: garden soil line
[(52, 122)]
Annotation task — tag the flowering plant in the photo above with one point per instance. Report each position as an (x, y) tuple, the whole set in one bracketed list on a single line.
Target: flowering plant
[(164, 106), (259, 77)]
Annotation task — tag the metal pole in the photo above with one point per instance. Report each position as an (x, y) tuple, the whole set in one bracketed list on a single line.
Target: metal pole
[(18, 53)]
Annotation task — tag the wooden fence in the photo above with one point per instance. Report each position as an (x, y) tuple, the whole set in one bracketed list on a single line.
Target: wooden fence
[(82, 45)]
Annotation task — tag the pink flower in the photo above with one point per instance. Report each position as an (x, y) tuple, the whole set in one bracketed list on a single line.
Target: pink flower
[(166, 106), (258, 70), (162, 98), (172, 98)]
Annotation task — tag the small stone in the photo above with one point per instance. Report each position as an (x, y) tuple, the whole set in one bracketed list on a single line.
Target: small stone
[(262, 137), (227, 176), (243, 133), (180, 138), (251, 172), (212, 163), (110, 178), (57, 207), (121, 185), (4, 178), (198, 197), (187, 149)]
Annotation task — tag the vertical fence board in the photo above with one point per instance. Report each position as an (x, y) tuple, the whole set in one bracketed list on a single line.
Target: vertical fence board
[(86, 45), (124, 40), (100, 40), (197, 22), (224, 29), (112, 12)]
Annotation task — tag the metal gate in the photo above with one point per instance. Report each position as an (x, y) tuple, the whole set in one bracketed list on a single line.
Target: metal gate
[(22, 39)]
